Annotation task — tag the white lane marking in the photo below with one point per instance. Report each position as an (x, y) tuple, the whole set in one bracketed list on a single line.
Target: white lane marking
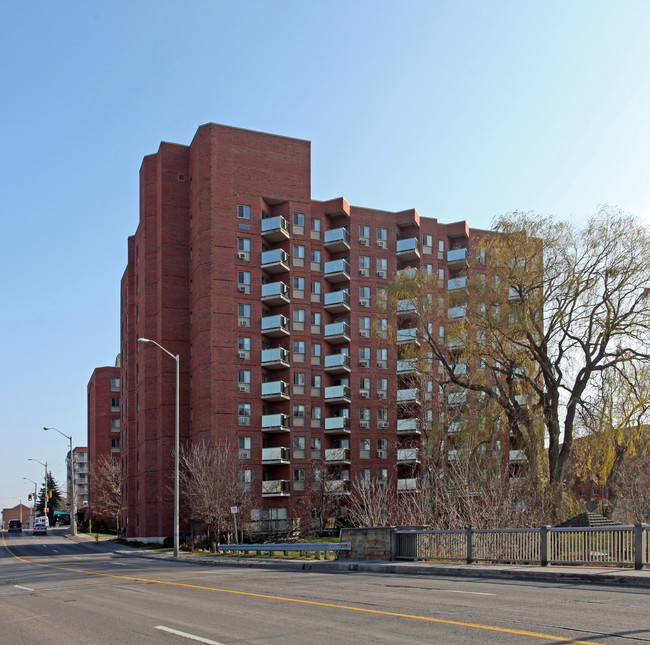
[(24, 588), (54, 550), (191, 637), (122, 564), (473, 593)]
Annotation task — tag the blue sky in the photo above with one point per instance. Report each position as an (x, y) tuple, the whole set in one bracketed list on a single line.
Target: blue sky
[(463, 110)]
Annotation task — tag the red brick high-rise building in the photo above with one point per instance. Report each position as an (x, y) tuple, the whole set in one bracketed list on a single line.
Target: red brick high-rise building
[(269, 299), (104, 432)]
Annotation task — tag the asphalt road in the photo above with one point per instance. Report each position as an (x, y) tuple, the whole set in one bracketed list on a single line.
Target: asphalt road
[(53, 591)]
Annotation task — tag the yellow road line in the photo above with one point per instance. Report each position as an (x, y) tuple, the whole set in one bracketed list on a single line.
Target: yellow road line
[(379, 612)]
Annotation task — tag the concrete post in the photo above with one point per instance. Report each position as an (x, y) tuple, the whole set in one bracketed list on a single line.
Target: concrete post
[(468, 539), (543, 545), (638, 546)]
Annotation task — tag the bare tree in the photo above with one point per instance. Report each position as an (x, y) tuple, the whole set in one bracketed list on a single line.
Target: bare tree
[(106, 482), (211, 483), (553, 307)]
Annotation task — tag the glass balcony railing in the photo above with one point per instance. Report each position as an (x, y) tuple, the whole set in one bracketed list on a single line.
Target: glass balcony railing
[(410, 395), (408, 426), (408, 249), (337, 393), (275, 390), (337, 361), (275, 357), (276, 455), (337, 455), (275, 229), (410, 455), (336, 271), (337, 424), (456, 283), (456, 255), (275, 261), (337, 301), (407, 485), (275, 325), (336, 239), (275, 422), (337, 332), (409, 335), (273, 291)]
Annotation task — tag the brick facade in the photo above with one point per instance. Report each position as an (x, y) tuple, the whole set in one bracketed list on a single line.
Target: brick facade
[(216, 219)]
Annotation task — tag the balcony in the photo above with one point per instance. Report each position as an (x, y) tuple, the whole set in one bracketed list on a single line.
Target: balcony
[(274, 326), (337, 394), (454, 426), (336, 239), (337, 456), (275, 293), (275, 456), (453, 284), (336, 333), (516, 456), (405, 308), (457, 312), (408, 249), (411, 272), (407, 366), (336, 271), (276, 358), (408, 485), (273, 423), (275, 261), (337, 425), (408, 336), (456, 342), (275, 391), (457, 398), (275, 229), (276, 488), (513, 294), (408, 456), (337, 364), (457, 256), (336, 302), (409, 396), (337, 487), (408, 426)]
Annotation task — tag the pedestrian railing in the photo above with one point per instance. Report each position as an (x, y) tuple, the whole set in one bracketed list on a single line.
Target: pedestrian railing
[(286, 548), (611, 545)]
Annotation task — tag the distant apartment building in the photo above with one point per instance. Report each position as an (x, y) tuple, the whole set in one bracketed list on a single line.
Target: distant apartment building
[(270, 299), (80, 458), (103, 421)]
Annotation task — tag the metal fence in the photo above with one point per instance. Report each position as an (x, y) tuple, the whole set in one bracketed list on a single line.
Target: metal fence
[(609, 545)]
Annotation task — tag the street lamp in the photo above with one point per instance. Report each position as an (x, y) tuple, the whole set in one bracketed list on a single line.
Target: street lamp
[(33, 500), (177, 358), (45, 505), (73, 505)]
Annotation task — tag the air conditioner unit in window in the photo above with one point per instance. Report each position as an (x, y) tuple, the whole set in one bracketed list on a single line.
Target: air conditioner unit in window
[(364, 303), (241, 289), (381, 244), (365, 333), (243, 323), (241, 354), (383, 424), (241, 256), (242, 388), (364, 395), (381, 274), (363, 272), (364, 363), (381, 395), (363, 424), (381, 454), (363, 242), (244, 419)]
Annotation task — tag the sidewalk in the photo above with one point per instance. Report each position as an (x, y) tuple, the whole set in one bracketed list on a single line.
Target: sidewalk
[(554, 574)]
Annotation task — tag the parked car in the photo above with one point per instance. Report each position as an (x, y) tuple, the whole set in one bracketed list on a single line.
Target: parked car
[(15, 526), (40, 529)]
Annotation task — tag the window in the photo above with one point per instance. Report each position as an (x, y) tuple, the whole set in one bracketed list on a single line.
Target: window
[(315, 318), (298, 378), (315, 287), (299, 315), (428, 269), (315, 256), (115, 405), (441, 276), (381, 298), (244, 245), (244, 447), (299, 283), (364, 261), (298, 346), (244, 311), (480, 255), (382, 328), (244, 376), (244, 409), (243, 212), (115, 384), (427, 240), (315, 225), (364, 450), (364, 231), (364, 353), (316, 380), (298, 251), (299, 411), (382, 448), (364, 414), (244, 344), (316, 349), (364, 292), (382, 264), (364, 383), (299, 443), (316, 443), (299, 479), (298, 219), (382, 357), (382, 415), (316, 412), (382, 385), (364, 323), (382, 234), (245, 479), (115, 425), (115, 443), (243, 277), (441, 249)]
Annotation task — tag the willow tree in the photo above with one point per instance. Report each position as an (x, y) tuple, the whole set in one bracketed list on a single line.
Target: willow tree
[(546, 309)]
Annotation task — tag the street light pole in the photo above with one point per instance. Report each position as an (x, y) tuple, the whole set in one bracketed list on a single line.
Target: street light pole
[(73, 502), (33, 500), (45, 504), (177, 358)]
